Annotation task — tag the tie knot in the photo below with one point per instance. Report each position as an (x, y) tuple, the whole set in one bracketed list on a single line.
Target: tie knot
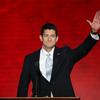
[(48, 55)]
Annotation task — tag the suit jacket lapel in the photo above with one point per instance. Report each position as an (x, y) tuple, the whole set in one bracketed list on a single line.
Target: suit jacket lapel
[(36, 62), (56, 58)]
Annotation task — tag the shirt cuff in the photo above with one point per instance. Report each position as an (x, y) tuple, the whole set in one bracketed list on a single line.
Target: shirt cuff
[(94, 36)]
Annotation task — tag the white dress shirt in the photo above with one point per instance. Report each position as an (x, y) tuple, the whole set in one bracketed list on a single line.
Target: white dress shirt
[(42, 60)]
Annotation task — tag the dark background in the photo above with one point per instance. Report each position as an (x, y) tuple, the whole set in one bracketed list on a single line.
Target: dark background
[(20, 23)]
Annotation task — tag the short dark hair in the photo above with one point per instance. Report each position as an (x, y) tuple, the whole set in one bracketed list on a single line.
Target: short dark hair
[(49, 26)]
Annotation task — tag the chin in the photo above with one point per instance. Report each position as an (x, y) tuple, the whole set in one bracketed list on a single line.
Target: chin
[(50, 47)]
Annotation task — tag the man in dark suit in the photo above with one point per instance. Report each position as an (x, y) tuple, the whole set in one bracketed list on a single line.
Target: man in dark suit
[(49, 68)]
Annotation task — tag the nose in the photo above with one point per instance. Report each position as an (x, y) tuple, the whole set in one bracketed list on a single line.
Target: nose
[(49, 37)]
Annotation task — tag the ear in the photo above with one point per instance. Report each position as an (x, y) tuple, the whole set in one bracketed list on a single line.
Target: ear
[(41, 39), (57, 38)]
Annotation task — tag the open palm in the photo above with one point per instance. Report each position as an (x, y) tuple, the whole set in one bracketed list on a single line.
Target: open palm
[(95, 25)]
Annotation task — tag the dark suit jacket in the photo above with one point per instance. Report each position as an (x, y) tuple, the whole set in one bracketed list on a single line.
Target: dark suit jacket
[(60, 84)]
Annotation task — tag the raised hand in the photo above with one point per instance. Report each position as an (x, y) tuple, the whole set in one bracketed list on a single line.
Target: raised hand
[(95, 25)]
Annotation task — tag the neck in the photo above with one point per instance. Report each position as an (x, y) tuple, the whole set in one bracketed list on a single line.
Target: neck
[(48, 49)]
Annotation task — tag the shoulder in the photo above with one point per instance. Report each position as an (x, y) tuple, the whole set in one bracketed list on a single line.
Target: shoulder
[(63, 50), (33, 54)]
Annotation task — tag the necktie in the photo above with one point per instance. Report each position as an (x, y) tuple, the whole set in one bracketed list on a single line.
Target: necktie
[(48, 66)]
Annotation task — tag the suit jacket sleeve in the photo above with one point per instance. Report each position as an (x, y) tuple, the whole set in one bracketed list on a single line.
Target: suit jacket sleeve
[(83, 49), (24, 79)]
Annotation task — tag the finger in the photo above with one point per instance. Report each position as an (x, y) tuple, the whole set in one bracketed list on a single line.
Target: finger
[(97, 16), (98, 12)]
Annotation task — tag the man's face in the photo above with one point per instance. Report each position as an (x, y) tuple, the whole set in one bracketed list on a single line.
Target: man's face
[(49, 38)]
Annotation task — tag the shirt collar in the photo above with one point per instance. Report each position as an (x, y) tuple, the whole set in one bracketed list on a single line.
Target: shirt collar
[(46, 53)]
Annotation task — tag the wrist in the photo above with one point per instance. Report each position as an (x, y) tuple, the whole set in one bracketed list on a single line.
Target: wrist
[(95, 35)]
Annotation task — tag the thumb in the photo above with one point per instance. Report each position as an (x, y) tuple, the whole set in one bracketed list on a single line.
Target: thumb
[(88, 21)]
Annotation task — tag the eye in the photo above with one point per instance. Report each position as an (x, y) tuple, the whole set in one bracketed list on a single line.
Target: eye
[(45, 35), (53, 36)]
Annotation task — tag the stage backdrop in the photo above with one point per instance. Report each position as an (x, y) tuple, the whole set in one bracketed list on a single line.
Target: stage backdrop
[(20, 23)]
